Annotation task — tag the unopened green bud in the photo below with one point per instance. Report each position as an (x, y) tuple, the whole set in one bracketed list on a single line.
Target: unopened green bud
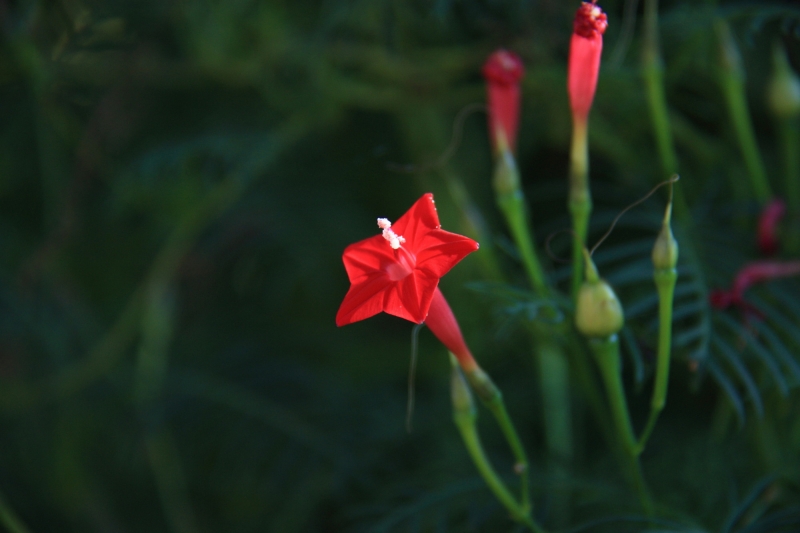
[(665, 250), (598, 312), (783, 91), (506, 175), (459, 392)]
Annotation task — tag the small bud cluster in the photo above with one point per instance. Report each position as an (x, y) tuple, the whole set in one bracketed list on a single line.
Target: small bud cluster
[(394, 239), (590, 20)]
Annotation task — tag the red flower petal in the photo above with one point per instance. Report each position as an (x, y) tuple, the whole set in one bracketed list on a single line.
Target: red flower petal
[(417, 222), (441, 250), (389, 280), (503, 72), (364, 299), (585, 49), (366, 257)]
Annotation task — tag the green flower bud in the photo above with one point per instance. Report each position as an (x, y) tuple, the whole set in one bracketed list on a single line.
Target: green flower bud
[(506, 175), (598, 312), (783, 90), (665, 250), (460, 394)]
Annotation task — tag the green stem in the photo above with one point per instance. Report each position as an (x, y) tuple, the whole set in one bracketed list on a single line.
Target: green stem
[(790, 141), (514, 209), (491, 396), (554, 372), (580, 198), (732, 82), (653, 74), (606, 352), (12, 522), (554, 381), (665, 283), (789, 131), (465, 416)]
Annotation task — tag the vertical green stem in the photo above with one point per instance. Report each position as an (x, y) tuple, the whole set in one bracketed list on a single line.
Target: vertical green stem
[(9, 518), (513, 206), (790, 145), (465, 416), (554, 371), (789, 131), (732, 82), (665, 283), (580, 198), (653, 74), (491, 396), (606, 354)]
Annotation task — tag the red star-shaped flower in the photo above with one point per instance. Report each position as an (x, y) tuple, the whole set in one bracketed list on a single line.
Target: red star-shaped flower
[(585, 48), (398, 271)]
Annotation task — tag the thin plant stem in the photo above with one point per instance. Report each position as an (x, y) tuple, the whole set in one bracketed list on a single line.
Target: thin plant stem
[(10, 520), (554, 382), (580, 198), (465, 417), (514, 209), (554, 371), (731, 78), (607, 356), (653, 74), (665, 283), (789, 131), (491, 396)]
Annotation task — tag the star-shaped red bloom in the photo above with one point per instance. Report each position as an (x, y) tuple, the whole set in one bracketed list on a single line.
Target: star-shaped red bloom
[(398, 272)]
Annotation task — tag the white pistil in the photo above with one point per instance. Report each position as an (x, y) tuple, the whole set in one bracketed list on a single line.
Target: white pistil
[(394, 239)]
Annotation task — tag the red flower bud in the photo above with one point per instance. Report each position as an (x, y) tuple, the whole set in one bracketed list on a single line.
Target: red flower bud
[(749, 275), (585, 49), (768, 226), (503, 72), (443, 324)]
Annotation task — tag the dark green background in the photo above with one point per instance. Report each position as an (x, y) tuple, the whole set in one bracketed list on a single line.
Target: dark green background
[(178, 180)]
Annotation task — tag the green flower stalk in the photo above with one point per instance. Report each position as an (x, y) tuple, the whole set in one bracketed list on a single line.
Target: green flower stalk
[(599, 317), (783, 99), (465, 417), (503, 72), (665, 259), (653, 74), (731, 76), (586, 47)]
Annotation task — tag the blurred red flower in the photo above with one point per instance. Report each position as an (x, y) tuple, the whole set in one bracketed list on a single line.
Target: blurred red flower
[(585, 49), (398, 271), (503, 72)]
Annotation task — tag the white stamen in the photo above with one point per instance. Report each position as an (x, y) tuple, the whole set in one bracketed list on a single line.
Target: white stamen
[(394, 239)]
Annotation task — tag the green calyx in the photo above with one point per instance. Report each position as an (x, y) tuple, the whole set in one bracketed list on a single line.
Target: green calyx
[(783, 90), (665, 249), (506, 175), (598, 312)]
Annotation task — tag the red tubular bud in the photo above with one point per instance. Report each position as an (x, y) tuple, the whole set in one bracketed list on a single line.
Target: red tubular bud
[(444, 326), (759, 271), (503, 72), (768, 222), (585, 49)]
